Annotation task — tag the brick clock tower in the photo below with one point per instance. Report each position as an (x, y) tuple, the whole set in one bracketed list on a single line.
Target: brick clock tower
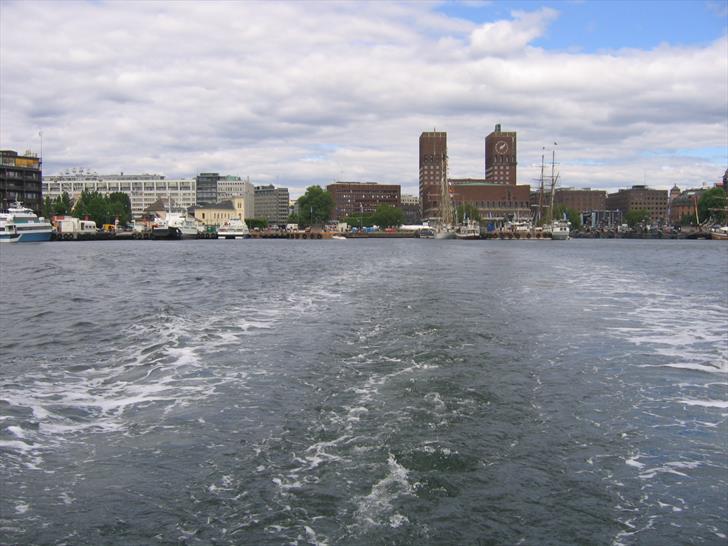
[(433, 168), (500, 157)]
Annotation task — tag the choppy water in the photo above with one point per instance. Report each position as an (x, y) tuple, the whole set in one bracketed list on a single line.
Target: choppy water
[(364, 392)]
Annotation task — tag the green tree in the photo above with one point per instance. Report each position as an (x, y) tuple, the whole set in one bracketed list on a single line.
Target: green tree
[(388, 216), (315, 206), (637, 216), (260, 223), (47, 211), (62, 204), (119, 205), (572, 215), (93, 205), (358, 219), (712, 204), (469, 211)]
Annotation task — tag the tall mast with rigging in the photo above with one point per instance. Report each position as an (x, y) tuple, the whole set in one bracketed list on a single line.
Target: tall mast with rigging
[(554, 178)]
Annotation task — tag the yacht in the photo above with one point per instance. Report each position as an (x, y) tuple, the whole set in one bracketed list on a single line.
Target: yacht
[(560, 230), (162, 230), (719, 233), (22, 225), (469, 230), (187, 226), (235, 228)]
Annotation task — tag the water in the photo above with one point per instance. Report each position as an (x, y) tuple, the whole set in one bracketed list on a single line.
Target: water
[(364, 392)]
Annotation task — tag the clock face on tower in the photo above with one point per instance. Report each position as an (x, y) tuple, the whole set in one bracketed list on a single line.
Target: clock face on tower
[(501, 147)]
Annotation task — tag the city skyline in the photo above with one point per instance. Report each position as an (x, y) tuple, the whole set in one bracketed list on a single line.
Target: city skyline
[(308, 93)]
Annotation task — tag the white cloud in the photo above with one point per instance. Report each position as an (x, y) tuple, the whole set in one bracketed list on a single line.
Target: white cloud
[(507, 37), (305, 93)]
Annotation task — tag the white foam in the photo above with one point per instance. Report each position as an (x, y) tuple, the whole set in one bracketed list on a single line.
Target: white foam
[(723, 404), (632, 461), (373, 510)]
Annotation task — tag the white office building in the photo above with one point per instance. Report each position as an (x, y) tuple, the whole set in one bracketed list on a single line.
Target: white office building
[(143, 189)]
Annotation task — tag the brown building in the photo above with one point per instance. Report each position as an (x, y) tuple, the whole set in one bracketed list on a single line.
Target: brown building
[(496, 202), (500, 157), (433, 169), (640, 198), (20, 180), (356, 197), (684, 204), (581, 199)]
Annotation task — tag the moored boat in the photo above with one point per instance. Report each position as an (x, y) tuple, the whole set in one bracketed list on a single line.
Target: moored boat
[(719, 233), (188, 227), (560, 230), (470, 230), (162, 230), (235, 228), (22, 225)]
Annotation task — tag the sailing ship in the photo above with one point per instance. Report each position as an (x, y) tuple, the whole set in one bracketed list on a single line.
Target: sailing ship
[(557, 229), (444, 228)]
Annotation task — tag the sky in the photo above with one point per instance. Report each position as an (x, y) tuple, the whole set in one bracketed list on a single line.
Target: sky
[(302, 93)]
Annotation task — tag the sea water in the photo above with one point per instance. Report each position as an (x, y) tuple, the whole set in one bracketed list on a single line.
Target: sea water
[(364, 392)]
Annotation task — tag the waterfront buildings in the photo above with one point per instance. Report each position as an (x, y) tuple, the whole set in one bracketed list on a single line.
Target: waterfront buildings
[(219, 213), (206, 188), (21, 180), (433, 169), (213, 188), (358, 197), (143, 189), (271, 204), (581, 199), (684, 205), (500, 157), (495, 202), (640, 198), (410, 205), (497, 196), (601, 219)]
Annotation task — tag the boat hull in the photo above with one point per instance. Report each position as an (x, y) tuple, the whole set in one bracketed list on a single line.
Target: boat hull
[(166, 233), (232, 236), (27, 237)]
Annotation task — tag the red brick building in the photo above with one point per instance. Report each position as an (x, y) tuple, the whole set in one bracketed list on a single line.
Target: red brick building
[(497, 202), (433, 169), (640, 198), (500, 157), (356, 197)]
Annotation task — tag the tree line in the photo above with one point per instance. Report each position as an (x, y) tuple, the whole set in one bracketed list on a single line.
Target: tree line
[(102, 209)]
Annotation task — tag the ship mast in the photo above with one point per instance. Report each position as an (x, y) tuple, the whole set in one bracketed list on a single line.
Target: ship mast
[(539, 213), (445, 204), (554, 178)]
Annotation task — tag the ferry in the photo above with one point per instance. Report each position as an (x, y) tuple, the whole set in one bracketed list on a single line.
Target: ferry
[(22, 225), (560, 230), (234, 228)]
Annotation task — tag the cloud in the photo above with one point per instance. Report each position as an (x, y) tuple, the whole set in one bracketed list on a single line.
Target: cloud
[(507, 37), (302, 93)]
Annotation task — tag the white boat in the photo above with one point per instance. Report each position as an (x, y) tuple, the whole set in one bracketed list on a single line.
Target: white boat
[(235, 228), (719, 233), (187, 226), (22, 225), (470, 230), (560, 230), (444, 231)]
